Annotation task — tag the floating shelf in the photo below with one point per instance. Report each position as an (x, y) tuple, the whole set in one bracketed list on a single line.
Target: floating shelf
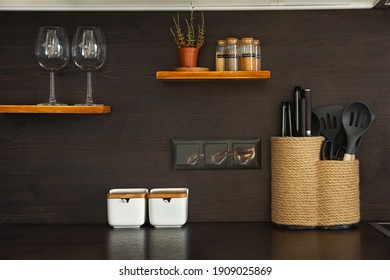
[(213, 75), (71, 109)]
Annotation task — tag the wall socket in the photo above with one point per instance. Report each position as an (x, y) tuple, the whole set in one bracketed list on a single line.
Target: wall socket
[(216, 154)]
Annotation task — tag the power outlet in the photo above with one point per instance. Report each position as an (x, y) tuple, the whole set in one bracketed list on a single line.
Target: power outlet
[(216, 154), (187, 154)]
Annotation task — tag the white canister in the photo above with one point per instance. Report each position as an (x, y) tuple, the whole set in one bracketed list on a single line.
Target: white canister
[(126, 208), (168, 207)]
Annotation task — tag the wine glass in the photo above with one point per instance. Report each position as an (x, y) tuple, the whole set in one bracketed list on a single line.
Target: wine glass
[(52, 52), (89, 53)]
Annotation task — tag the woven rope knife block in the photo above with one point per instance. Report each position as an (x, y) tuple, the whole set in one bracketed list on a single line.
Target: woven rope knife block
[(309, 192), (339, 201)]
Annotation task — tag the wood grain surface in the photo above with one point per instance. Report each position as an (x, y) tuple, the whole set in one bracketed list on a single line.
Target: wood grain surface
[(212, 75), (196, 241), (40, 109), (57, 168)]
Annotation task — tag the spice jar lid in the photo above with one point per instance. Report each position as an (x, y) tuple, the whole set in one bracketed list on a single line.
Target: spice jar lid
[(221, 42), (127, 193), (256, 42), (247, 41), (168, 193), (231, 40)]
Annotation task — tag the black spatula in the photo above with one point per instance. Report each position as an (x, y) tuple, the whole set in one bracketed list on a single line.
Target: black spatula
[(357, 118), (330, 117)]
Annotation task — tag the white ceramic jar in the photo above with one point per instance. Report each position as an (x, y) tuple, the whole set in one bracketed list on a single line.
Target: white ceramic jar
[(126, 208), (168, 207)]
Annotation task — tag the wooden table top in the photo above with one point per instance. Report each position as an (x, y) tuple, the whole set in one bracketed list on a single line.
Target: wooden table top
[(196, 241)]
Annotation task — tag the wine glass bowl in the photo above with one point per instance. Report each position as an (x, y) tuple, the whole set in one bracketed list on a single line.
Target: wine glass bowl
[(53, 53), (89, 54)]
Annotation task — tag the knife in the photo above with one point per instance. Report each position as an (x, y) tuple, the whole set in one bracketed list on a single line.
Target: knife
[(297, 97), (307, 96), (289, 121), (284, 123), (302, 116)]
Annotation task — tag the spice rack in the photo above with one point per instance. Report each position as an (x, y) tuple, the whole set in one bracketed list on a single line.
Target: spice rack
[(213, 75), (71, 109)]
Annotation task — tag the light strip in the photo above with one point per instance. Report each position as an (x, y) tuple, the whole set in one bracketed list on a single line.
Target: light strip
[(179, 8)]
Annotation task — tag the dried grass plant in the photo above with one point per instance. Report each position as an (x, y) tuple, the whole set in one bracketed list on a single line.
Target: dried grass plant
[(188, 40)]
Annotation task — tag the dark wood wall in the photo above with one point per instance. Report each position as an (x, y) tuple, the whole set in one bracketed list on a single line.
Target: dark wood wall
[(58, 168)]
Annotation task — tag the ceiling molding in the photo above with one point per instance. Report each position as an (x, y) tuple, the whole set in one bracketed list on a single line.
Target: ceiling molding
[(179, 5)]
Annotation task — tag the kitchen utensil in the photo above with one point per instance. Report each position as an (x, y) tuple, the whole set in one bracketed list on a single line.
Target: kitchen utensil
[(327, 151), (302, 116), (286, 119), (284, 123), (315, 125), (289, 120), (297, 97), (308, 123), (359, 141), (357, 118), (330, 124)]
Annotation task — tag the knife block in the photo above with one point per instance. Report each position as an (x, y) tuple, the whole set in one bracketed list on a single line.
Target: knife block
[(311, 193)]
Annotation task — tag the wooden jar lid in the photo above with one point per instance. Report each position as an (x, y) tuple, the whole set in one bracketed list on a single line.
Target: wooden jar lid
[(168, 194), (125, 195)]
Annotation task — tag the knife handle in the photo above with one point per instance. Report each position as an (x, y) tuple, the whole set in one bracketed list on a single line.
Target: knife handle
[(289, 120), (307, 95), (297, 97), (302, 116), (284, 123)]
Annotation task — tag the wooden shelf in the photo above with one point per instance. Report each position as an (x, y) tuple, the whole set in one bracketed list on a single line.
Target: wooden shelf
[(213, 75), (71, 109)]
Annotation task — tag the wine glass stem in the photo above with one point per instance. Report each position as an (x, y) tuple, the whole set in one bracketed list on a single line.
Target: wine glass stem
[(52, 98), (89, 88)]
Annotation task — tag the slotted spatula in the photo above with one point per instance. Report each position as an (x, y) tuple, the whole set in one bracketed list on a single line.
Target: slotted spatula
[(357, 118), (330, 123)]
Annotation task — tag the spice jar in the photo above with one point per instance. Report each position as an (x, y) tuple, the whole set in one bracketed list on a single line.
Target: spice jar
[(168, 207), (239, 53), (231, 55), (126, 208), (219, 55), (257, 54), (248, 56)]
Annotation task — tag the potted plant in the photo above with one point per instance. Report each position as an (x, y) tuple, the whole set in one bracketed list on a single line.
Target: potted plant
[(188, 44)]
